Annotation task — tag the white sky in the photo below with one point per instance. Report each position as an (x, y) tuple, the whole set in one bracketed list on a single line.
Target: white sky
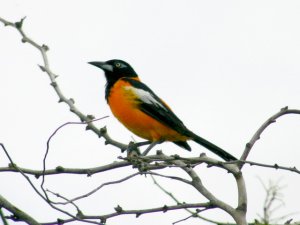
[(223, 66)]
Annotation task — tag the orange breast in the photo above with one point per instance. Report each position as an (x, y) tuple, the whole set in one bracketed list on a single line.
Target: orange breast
[(125, 108)]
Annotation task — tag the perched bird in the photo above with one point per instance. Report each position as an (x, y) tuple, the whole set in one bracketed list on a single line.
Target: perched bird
[(142, 112)]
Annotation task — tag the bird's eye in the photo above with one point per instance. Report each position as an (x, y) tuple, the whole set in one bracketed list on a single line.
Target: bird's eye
[(118, 65)]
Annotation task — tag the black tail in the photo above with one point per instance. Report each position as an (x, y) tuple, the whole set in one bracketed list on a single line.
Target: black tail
[(212, 147)]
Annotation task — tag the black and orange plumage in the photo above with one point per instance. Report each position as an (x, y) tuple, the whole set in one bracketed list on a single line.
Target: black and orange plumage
[(141, 111)]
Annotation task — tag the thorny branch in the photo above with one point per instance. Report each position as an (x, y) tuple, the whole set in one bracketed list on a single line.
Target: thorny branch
[(39, 193), (48, 149), (120, 211), (120, 164), (52, 76), (18, 215), (193, 213), (143, 163), (258, 133)]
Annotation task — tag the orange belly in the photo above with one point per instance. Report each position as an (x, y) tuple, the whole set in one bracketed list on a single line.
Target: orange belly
[(124, 106)]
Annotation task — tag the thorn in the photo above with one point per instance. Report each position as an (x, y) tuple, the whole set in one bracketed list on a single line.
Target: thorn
[(132, 150), (103, 220), (20, 23), (165, 208), (42, 68), (295, 168), (72, 109), (24, 40), (45, 47), (53, 84), (89, 173), (202, 155), (288, 221), (189, 166), (79, 214), (176, 156), (59, 169), (12, 165), (138, 215), (159, 152), (118, 209), (60, 221), (60, 100), (103, 130), (248, 145), (90, 117), (284, 108), (276, 166)]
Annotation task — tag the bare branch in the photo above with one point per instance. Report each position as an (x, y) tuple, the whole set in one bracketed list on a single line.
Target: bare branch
[(37, 191), (18, 215), (170, 177), (52, 76), (197, 183), (4, 220), (258, 133), (120, 211), (194, 214), (273, 201), (274, 166), (62, 170), (143, 163), (98, 188), (155, 159), (48, 149)]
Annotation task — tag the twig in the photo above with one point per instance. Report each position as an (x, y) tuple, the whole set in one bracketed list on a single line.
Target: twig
[(170, 177), (37, 191), (196, 182), (115, 165), (194, 214), (98, 188), (273, 196), (48, 147), (64, 198), (4, 220), (238, 214), (274, 166), (52, 76), (258, 133), (120, 211), (18, 215), (63, 170)]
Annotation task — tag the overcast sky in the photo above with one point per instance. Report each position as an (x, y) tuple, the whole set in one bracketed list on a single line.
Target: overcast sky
[(223, 66)]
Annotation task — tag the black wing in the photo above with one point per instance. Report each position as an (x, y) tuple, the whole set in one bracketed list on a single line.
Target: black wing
[(153, 106)]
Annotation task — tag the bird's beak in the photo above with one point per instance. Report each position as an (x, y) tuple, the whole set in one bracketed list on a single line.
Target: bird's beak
[(103, 65)]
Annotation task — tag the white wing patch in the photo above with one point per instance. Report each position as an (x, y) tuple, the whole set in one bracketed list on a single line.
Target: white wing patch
[(145, 96)]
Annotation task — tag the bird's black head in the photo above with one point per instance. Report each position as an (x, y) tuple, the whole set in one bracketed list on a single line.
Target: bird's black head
[(115, 69)]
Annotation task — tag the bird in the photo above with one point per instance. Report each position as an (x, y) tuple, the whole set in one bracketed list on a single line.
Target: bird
[(142, 112)]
